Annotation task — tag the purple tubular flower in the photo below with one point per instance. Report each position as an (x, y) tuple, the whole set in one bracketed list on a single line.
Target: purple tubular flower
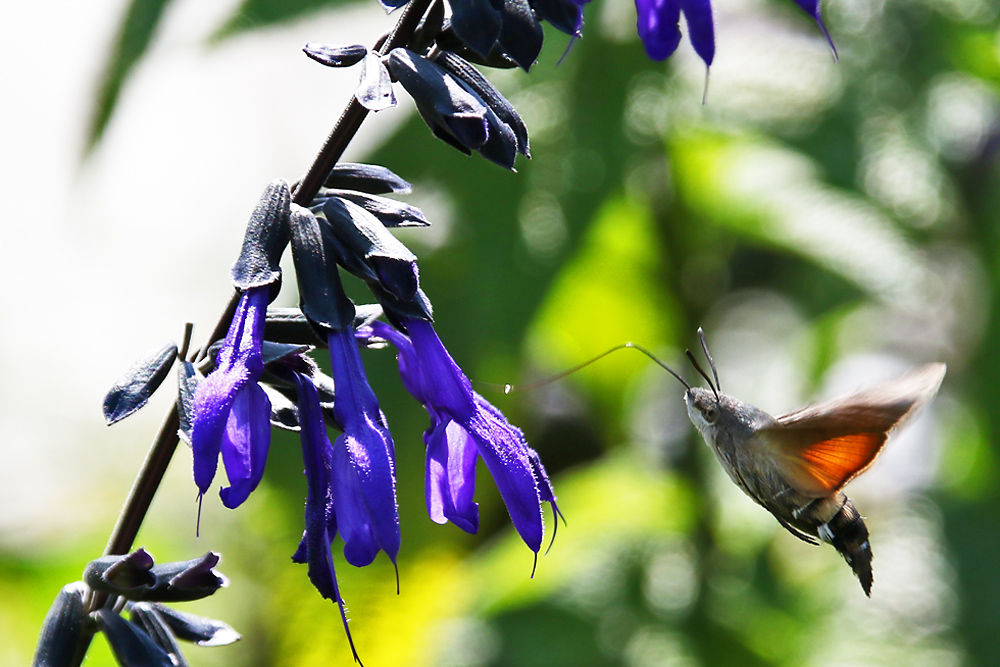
[(231, 411), (321, 519), (450, 482), (658, 27), (363, 460), (701, 30), (464, 424), (811, 7)]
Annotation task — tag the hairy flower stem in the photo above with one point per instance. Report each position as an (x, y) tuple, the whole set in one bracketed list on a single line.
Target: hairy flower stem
[(163, 447)]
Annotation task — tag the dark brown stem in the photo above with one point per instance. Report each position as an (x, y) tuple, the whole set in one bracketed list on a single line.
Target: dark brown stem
[(163, 447), (146, 483)]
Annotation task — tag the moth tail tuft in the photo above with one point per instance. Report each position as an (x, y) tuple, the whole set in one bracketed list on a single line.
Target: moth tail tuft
[(848, 534)]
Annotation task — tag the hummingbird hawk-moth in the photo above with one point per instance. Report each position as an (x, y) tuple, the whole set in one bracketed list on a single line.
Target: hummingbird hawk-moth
[(796, 465)]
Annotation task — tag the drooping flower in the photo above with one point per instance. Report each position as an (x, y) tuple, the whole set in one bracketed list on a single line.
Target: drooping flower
[(321, 516), (811, 7), (363, 476), (231, 411), (464, 425), (658, 25)]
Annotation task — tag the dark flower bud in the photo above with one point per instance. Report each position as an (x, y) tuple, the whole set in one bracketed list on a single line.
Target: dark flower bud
[(121, 575), (477, 23), (501, 147), (442, 102), (290, 325), (183, 581), (132, 647), (370, 178), (390, 5), (564, 15), (265, 241), (196, 629), (399, 310), (390, 212), (272, 352), (132, 390), (187, 382), (283, 412), (63, 628), (367, 313), (362, 236), (496, 59), (374, 90), (286, 325), (320, 290), (481, 86), (145, 616), (521, 35), (335, 56), (429, 28)]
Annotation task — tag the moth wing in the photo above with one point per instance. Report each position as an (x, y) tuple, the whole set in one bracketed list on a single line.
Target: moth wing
[(822, 447)]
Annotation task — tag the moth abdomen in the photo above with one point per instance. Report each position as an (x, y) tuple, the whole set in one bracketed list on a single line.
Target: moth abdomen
[(848, 534)]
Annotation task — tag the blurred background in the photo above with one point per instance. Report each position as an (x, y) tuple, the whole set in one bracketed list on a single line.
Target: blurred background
[(828, 224)]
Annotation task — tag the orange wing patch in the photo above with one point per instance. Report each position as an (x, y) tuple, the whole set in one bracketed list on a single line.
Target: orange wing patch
[(820, 448), (821, 468)]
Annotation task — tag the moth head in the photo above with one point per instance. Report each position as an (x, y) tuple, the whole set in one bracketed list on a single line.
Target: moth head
[(704, 405), (704, 408)]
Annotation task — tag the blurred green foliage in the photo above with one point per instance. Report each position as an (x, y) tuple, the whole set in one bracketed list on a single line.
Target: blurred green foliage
[(814, 218)]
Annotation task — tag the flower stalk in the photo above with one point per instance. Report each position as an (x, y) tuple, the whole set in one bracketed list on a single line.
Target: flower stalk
[(162, 449)]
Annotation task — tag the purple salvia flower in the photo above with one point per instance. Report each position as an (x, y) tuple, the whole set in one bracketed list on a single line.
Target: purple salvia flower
[(363, 475), (231, 411), (659, 30), (321, 520), (811, 7), (658, 26), (464, 424)]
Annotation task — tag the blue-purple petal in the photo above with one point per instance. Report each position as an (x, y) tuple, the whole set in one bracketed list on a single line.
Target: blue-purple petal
[(246, 333), (367, 444), (451, 390), (212, 402), (811, 7), (315, 545), (450, 481), (657, 25), (504, 450), (409, 365), (353, 521), (701, 28), (238, 365), (245, 444)]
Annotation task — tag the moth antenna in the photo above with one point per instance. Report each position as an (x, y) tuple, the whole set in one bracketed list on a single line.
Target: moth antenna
[(708, 355), (528, 386), (701, 371)]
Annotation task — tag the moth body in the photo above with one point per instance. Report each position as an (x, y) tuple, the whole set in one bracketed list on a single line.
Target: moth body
[(795, 465)]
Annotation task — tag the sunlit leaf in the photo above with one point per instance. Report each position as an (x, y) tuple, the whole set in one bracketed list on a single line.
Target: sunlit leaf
[(608, 294), (256, 14), (138, 27)]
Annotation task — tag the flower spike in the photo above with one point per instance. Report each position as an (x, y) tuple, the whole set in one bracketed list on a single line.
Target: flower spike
[(463, 425)]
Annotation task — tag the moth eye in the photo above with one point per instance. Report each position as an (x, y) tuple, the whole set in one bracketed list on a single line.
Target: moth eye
[(710, 413)]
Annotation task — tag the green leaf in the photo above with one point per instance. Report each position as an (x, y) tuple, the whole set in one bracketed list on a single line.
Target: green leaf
[(137, 30), (254, 14)]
